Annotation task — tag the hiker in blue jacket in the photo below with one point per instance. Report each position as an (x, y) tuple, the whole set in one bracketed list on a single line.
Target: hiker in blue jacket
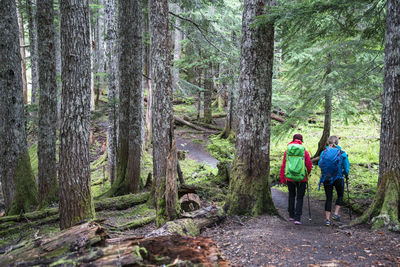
[(334, 164)]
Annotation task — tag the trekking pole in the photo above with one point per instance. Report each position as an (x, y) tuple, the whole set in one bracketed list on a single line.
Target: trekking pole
[(308, 198), (348, 194)]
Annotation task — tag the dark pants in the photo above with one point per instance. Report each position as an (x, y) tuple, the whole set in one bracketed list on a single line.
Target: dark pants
[(298, 188), (338, 184)]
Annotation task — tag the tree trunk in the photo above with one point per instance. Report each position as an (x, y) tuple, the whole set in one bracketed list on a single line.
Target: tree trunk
[(75, 196), (177, 47), (249, 188), (134, 69), (208, 87), (58, 60), (384, 210), (328, 116), (16, 176), (131, 99), (163, 131), (198, 81), (99, 52), (112, 85), (147, 71), (92, 67), (47, 165), (22, 51), (33, 43)]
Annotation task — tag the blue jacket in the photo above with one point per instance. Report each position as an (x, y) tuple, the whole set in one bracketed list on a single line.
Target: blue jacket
[(344, 167)]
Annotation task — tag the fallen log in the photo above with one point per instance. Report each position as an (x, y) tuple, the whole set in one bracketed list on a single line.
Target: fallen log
[(121, 202), (190, 202), (47, 250), (279, 112), (191, 223), (186, 189), (191, 125), (208, 126), (12, 224), (277, 118), (281, 120), (89, 245), (134, 224)]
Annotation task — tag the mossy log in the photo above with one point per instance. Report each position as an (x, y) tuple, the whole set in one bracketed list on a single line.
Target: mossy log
[(88, 245), (191, 125), (12, 224), (121, 202), (208, 126), (186, 189), (135, 223), (191, 223), (190, 202)]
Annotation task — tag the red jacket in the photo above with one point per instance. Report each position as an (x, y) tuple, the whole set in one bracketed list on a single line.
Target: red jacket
[(307, 162)]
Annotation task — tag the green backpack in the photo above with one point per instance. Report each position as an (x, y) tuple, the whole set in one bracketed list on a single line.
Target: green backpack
[(295, 168)]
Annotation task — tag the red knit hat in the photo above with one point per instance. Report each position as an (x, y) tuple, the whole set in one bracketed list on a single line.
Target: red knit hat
[(298, 137)]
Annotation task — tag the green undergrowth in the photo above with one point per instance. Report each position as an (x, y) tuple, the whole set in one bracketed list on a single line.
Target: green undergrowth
[(121, 217), (221, 149), (206, 177), (185, 110), (360, 140)]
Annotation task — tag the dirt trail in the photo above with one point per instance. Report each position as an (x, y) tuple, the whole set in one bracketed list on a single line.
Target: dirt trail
[(274, 241), (195, 151)]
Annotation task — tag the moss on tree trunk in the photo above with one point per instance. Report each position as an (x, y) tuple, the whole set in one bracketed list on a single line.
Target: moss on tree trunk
[(251, 195), (26, 192), (384, 210)]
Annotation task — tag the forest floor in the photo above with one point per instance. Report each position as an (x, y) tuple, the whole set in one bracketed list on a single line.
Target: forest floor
[(246, 241), (276, 241)]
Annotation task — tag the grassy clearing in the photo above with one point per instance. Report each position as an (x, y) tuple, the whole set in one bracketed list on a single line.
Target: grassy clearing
[(360, 140)]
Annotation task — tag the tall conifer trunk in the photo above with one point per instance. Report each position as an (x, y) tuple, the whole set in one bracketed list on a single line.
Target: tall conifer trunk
[(328, 114), (385, 208), (33, 43), (208, 87), (17, 180), (75, 196), (249, 188), (22, 50), (47, 176), (112, 85), (163, 131), (131, 99)]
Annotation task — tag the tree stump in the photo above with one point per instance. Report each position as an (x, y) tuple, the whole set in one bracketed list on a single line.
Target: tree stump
[(190, 202)]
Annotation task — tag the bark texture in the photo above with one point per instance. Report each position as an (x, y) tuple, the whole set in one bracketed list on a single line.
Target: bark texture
[(47, 175), (112, 85), (17, 180), (99, 51), (75, 196), (22, 50), (58, 61), (162, 119), (33, 43), (328, 117), (208, 87), (131, 99), (385, 208), (177, 46), (249, 189)]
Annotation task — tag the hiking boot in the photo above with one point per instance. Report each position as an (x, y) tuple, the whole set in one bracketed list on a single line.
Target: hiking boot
[(328, 223), (297, 222), (336, 217), (291, 219)]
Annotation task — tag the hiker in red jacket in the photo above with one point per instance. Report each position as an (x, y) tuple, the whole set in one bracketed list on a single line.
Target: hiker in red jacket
[(295, 169)]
